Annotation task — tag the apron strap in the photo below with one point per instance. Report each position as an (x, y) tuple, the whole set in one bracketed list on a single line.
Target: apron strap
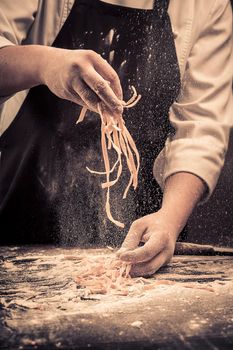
[(161, 6)]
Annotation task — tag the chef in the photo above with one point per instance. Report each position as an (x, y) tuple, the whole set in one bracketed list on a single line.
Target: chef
[(57, 56)]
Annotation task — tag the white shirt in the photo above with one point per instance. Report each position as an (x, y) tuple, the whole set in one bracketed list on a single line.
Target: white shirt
[(203, 113)]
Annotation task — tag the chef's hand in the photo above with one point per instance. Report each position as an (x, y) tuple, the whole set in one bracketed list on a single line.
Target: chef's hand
[(159, 238), (160, 230), (81, 76), (84, 77)]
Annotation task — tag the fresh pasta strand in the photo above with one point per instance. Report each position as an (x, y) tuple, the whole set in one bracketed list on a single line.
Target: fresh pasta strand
[(82, 115), (115, 136)]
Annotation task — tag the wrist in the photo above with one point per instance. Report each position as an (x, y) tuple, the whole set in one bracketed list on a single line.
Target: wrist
[(182, 192), (175, 220), (45, 56)]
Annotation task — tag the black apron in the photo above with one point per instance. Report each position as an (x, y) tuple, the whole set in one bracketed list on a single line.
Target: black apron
[(46, 193)]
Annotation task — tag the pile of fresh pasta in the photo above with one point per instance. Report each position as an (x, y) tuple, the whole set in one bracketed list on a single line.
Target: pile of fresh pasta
[(108, 275)]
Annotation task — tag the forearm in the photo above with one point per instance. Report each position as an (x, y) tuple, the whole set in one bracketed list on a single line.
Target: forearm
[(21, 67), (182, 193)]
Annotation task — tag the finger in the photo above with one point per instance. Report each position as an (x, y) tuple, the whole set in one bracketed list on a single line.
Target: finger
[(134, 235), (109, 74), (152, 247), (145, 237), (103, 90), (148, 268), (82, 91), (72, 95)]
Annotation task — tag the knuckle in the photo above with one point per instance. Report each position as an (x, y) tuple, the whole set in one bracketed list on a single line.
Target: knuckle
[(133, 226), (136, 224), (86, 73), (78, 68), (91, 55), (166, 257), (165, 238), (100, 86), (169, 256)]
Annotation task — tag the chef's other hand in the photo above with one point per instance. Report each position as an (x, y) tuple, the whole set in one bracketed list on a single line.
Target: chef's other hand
[(159, 238), (84, 77)]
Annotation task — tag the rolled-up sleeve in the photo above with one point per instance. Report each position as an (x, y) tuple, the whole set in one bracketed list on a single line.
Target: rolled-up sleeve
[(16, 18), (203, 114)]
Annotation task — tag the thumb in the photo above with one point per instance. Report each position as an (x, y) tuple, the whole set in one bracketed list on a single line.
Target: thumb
[(133, 237)]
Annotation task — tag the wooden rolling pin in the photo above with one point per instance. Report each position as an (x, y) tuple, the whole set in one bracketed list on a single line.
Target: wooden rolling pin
[(183, 248)]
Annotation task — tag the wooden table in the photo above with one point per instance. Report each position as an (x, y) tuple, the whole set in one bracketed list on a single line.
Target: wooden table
[(41, 308)]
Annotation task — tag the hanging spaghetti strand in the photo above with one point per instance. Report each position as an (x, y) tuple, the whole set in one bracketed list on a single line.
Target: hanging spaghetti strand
[(115, 136)]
